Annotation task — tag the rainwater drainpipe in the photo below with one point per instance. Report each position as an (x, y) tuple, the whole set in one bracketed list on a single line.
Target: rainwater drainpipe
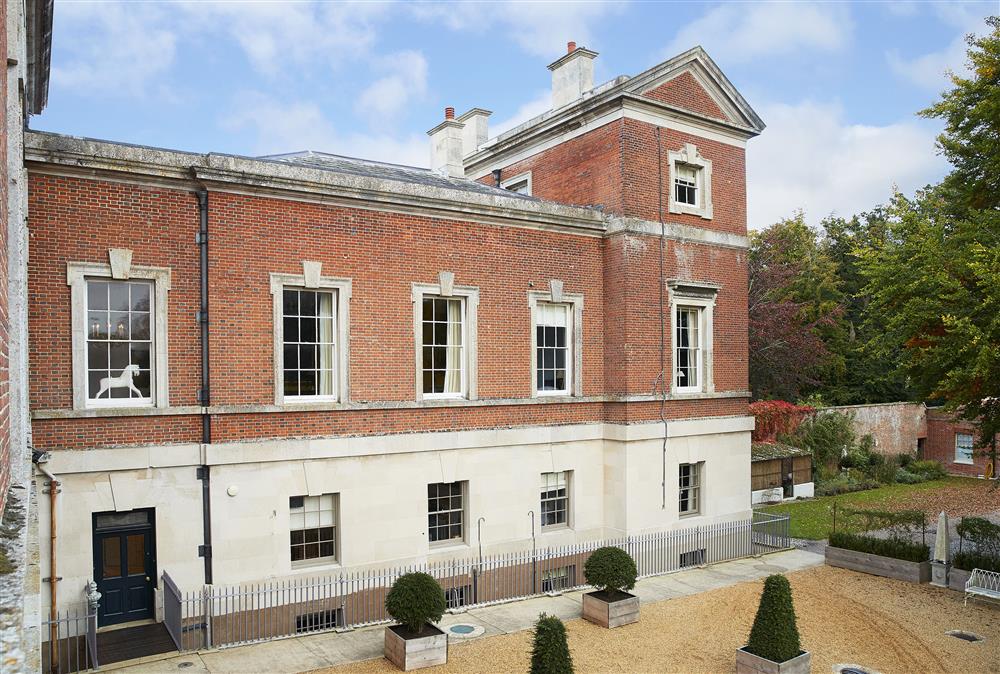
[(40, 458), (204, 399), (663, 342)]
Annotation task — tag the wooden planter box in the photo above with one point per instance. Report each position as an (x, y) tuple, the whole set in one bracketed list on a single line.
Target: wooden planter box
[(748, 663), (610, 614), (889, 567), (957, 579), (427, 650)]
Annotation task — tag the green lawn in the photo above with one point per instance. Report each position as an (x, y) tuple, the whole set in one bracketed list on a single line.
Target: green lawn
[(813, 518)]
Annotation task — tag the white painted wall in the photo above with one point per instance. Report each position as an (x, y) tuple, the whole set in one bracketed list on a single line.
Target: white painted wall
[(382, 482)]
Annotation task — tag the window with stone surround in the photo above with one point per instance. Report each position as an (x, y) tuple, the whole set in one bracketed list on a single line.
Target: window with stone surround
[(553, 348), (689, 488), (964, 448), (445, 335), (691, 182), (687, 349), (311, 328), (519, 183), (692, 345), (313, 528), (446, 513), (119, 333)]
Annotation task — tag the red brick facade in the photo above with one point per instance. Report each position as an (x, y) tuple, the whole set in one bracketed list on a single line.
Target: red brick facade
[(942, 436), (684, 91)]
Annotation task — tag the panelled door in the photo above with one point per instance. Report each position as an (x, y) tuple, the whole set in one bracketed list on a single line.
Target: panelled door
[(125, 565)]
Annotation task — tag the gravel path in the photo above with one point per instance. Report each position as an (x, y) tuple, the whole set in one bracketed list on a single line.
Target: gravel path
[(844, 617)]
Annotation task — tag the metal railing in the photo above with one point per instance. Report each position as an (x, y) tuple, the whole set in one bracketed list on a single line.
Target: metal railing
[(71, 641), (220, 615)]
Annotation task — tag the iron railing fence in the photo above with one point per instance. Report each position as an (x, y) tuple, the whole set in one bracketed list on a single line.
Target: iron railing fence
[(70, 641), (230, 615)]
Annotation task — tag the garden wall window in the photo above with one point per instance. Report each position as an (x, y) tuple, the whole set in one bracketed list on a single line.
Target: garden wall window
[(119, 341), (555, 500), (309, 343), (963, 448), (119, 333), (687, 349), (552, 349), (313, 528), (689, 498), (446, 513), (443, 346)]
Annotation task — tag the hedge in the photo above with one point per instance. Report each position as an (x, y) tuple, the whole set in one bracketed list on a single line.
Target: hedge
[(967, 561), (884, 547)]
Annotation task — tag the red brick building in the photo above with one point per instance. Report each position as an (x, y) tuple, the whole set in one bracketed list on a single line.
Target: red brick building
[(955, 443), (245, 368)]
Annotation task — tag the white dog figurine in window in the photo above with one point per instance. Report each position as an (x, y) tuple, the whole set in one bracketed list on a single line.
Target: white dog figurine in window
[(121, 381)]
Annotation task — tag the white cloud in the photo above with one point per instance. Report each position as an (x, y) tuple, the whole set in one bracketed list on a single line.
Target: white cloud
[(387, 96), (930, 70), (536, 106), (541, 28), (112, 48), (279, 126), (740, 32), (810, 158)]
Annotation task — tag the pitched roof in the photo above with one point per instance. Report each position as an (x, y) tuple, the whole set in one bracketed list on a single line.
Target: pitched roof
[(376, 169), (766, 451)]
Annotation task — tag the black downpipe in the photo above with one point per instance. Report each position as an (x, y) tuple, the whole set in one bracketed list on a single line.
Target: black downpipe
[(204, 399)]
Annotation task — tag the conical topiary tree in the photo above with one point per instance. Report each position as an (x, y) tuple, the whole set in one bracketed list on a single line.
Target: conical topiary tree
[(415, 599), (774, 635), (550, 653)]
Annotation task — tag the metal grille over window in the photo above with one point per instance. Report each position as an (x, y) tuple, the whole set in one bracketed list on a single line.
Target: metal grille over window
[(963, 448), (443, 342), (552, 348), (555, 499), (690, 488), (313, 526), (556, 580), (308, 326), (446, 512), (688, 348), (119, 341), (686, 185)]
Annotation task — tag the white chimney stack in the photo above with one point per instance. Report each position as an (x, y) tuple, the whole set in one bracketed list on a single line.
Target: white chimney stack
[(446, 146), (572, 75), (476, 130)]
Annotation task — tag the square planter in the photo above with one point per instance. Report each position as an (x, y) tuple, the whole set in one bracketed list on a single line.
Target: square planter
[(621, 610), (877, 565), (748, 663), (957, 579), (426, 649)]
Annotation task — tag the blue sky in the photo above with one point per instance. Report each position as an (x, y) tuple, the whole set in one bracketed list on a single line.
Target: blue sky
[(837, 83)]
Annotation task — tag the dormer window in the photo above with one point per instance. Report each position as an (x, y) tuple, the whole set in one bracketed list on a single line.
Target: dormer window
[(686, 185), (519, 183)]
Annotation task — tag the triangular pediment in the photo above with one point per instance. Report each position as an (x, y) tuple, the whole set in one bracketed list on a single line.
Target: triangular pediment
[(692, 81)]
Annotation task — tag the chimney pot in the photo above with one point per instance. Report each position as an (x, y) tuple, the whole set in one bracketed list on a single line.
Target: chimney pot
[(449, 113), (570, 47)]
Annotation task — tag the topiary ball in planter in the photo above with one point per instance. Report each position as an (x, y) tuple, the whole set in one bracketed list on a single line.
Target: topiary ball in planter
[(774, 635), (611, 570), (415, 599), (550, 652)]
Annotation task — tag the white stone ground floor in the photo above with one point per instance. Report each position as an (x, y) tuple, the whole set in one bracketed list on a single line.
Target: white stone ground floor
[(622, 481), (317, 651)]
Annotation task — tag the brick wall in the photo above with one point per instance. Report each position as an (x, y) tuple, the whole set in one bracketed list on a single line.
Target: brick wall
[(78, 219), (940, 443), (684, 91), (5, 449)]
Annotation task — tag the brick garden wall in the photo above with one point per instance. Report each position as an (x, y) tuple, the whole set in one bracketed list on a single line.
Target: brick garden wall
[(5, 449)]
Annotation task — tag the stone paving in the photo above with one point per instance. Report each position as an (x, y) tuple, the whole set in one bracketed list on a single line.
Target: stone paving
[(316, 651)]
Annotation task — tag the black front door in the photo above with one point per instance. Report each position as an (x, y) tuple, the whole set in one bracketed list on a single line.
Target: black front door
[(125, 565)]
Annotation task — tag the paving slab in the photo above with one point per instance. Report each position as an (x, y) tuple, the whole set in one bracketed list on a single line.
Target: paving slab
[(283, 655), (521, 615)]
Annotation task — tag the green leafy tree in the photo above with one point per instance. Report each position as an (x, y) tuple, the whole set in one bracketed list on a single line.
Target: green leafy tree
[(611, 569), (971, 112), (550, 652), (415, 599), (774, 635)]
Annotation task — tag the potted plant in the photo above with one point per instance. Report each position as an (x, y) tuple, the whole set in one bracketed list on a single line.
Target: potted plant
[(612, 571), (773, 646), (415, 601), (550, 652)]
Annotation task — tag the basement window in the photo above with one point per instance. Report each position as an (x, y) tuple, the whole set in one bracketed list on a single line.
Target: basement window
[(313, 528)]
